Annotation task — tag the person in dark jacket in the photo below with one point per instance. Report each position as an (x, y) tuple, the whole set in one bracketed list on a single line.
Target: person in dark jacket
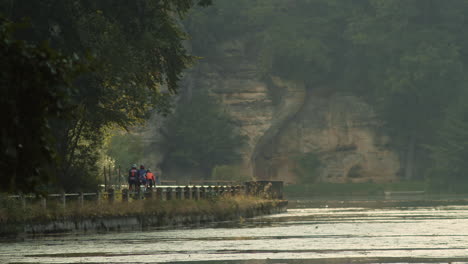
[(142, 176), (133, 178)]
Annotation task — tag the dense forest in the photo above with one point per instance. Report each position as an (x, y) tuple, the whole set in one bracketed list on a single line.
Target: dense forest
[(75, 74)]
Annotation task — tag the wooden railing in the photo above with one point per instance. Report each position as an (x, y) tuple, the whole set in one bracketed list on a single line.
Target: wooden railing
[(158, 193), (267, 189)]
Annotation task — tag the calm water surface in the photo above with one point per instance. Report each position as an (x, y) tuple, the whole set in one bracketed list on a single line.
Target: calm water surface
[(318, 232)]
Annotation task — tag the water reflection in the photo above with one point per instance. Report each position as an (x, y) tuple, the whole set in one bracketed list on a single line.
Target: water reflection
[(312, 232)]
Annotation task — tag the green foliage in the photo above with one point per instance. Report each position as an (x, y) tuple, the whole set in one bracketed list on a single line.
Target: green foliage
[(307, 167), (126, 149), (79, 167), (139, 60), (417, 67), (200, 135), (204, 26), (298, 40), (35, 87), (229, 173), (415, 47), (450, 151)]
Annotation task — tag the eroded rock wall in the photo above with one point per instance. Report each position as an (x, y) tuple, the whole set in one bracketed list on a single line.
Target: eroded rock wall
[(341, 129), (285, 119), (344, 133)]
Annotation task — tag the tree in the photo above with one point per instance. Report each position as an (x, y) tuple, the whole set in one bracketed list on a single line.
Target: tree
[(449, 151), (295, 40), (200, 135), (139, 60), (126, 149), (35, 87), (415, 65)]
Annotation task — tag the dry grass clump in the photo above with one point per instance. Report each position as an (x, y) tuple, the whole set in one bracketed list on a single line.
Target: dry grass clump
[(12, 211)]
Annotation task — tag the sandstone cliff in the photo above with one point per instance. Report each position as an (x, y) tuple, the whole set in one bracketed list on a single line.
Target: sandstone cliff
[(284, 119)]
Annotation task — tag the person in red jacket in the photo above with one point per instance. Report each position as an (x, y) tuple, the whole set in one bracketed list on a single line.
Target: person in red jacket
[(150, 179)]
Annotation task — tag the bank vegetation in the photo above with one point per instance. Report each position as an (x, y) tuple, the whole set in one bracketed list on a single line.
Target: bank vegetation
[(222, 208)]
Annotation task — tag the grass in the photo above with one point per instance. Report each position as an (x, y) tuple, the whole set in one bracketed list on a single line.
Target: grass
[(350, 189), (12, 211)]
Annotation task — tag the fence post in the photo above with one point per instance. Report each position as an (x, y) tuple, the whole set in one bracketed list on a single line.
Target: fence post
[(148, 194), (64, 200), (125, 195), (99, 197), (44, 202), (188, 193), (23, 201), (81, 199), (202, 192), (111, 195), (159, 194), (178, 194), (168, 193), (209, 192), (232, 190), (196, 193)]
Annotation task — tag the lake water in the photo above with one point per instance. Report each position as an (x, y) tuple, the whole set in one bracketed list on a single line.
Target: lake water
[(311, 232)]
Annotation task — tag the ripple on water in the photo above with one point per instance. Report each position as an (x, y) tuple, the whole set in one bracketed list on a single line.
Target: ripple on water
[(306, 235)]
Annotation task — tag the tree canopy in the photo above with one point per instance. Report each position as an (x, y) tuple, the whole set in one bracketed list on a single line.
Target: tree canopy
[(137, 55), (200, 135), (35, 87)]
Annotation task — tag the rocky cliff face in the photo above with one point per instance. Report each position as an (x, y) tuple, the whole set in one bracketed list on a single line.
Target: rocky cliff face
[(342, 131), (285, 119)]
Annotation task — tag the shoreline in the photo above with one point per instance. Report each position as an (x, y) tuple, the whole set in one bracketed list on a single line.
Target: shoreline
[(165, 216)]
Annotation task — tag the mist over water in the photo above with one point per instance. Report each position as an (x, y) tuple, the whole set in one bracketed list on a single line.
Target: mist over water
[(316, 232)]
